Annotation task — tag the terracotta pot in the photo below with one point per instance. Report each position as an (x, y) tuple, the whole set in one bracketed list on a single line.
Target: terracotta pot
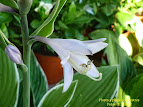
[(52, 67)]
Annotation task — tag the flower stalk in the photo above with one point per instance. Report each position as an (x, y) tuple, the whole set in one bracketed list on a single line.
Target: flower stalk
[(26, 59)]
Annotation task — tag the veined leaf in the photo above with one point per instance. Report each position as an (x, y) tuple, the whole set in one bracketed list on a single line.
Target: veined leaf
[(90, 93), (116, 55), (39, 84), (55, 97), (47, 28), (9, 81), (134, 90)]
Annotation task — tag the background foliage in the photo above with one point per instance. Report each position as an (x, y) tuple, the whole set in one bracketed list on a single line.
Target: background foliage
[(116, 20)]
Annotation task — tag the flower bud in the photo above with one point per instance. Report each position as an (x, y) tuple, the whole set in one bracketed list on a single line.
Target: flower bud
[(24, 6), (14, 54)]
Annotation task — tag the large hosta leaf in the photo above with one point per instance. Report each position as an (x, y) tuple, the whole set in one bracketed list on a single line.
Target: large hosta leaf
[(134, 90), (127, 69), (39, 83), (55, 97), (9, 81), (116, 55), (46, 29), (89, 92)]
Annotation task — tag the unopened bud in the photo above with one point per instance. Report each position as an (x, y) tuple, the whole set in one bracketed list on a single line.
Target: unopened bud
[(24, 6), (14, 54)]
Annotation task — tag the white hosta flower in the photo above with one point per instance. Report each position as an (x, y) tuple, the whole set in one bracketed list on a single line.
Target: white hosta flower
[(14, 54), (73, 55)]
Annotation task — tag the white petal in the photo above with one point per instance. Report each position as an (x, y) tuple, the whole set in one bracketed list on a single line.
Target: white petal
[(72, 45), (97, 40), (93, 72), (64, 54), (97, 46), (77, 60), (68, 76)]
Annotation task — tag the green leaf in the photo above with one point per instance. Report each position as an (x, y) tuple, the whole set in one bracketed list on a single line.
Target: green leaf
[(134, 90), (127, 20), (35, 23), (102, 33), (47, 28), (9, 81), (138, 58), (5, 18), (4, 30), (72, 11), (116, 55), (81, 20), (55, 97), (10, 3), (89, 93), (2, 41), (108, 9), (39, 85), (118, 29)]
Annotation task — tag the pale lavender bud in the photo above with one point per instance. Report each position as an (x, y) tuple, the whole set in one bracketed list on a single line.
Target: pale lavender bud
[(14, 54)]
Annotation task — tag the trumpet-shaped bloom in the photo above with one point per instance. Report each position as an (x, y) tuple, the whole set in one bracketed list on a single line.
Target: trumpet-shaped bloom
[(73, 55), (14, 54)]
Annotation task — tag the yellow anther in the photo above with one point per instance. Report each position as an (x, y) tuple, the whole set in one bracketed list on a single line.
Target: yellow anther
[(86, 67)]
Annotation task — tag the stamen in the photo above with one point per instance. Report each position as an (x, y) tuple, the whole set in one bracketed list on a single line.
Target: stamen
[(85, 68), (89, 62)]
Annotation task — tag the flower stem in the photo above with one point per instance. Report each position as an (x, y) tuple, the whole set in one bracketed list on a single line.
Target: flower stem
[(26, 59)]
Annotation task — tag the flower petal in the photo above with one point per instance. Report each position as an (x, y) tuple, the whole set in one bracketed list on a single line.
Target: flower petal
[(77, 62), (93, 72), (68, 76), (72, 45), (97, 46), (64, 54), (90, 70)]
